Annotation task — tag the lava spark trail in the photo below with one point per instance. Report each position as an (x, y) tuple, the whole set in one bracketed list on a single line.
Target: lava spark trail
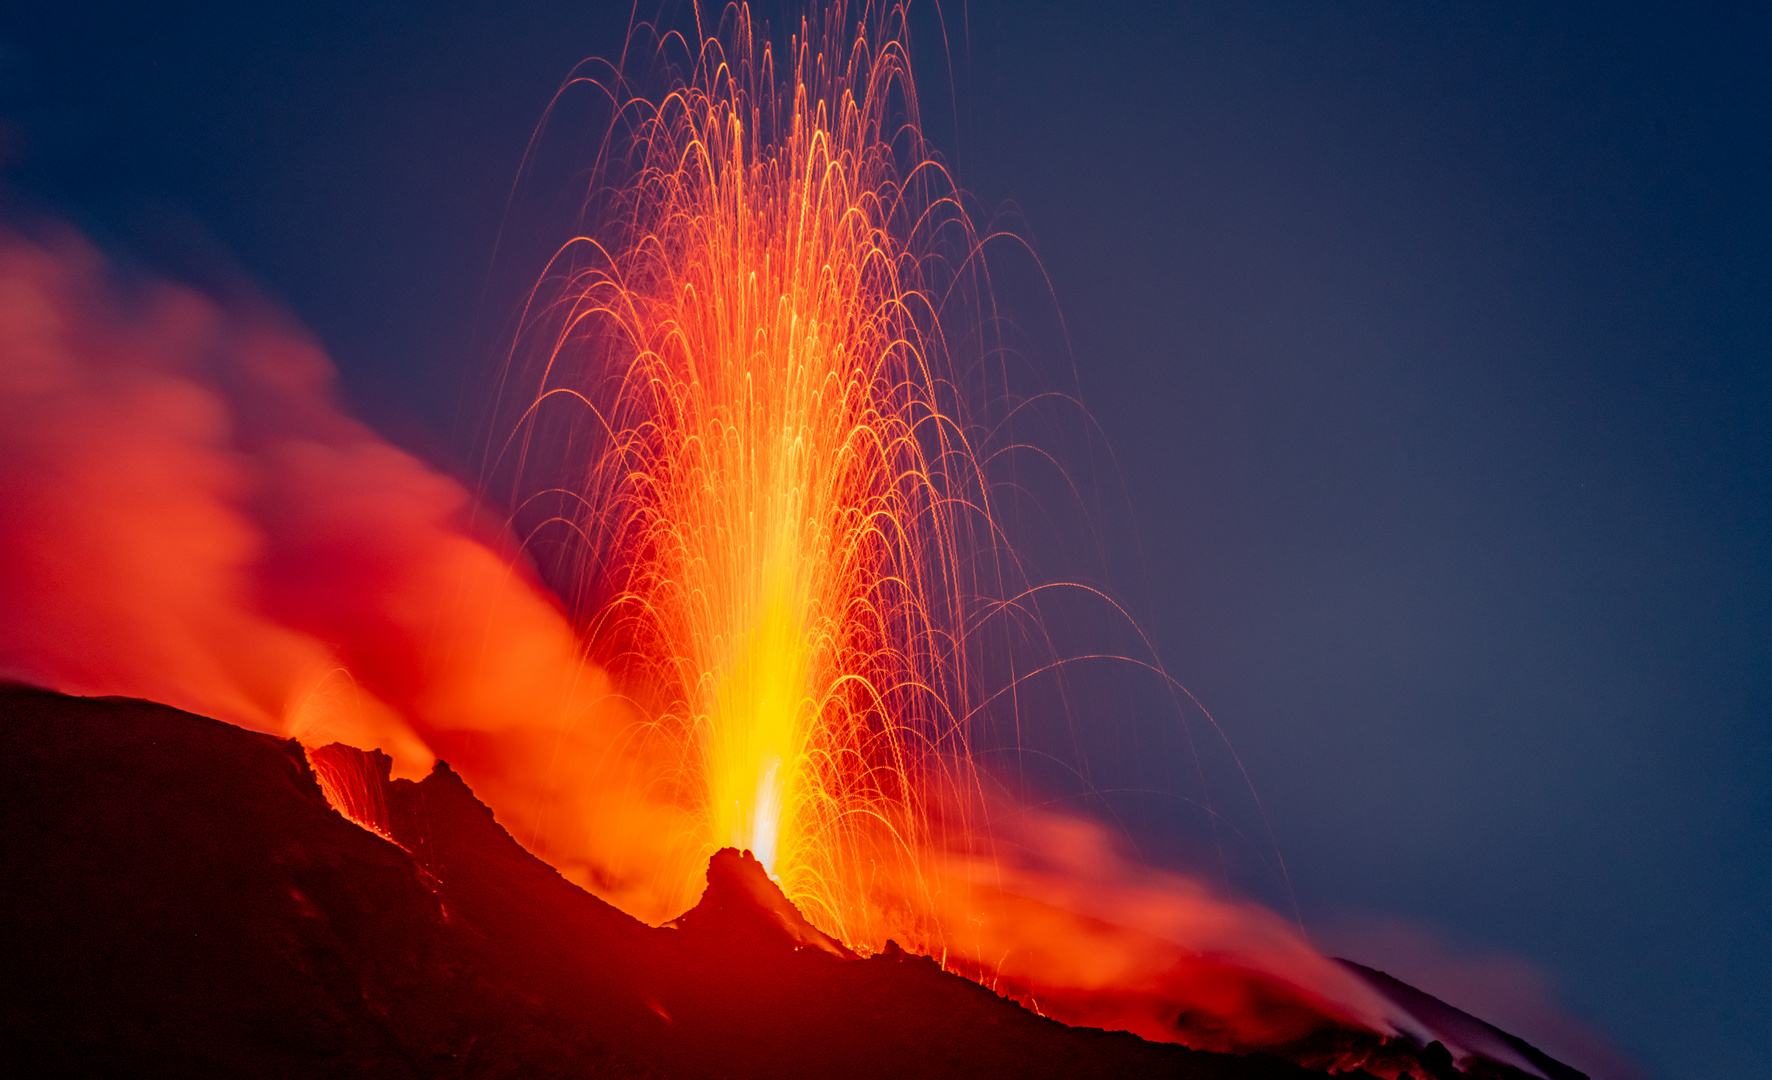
[(782, 490)]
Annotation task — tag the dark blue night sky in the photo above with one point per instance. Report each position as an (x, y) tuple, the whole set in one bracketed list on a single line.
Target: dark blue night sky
[(1432, 345)]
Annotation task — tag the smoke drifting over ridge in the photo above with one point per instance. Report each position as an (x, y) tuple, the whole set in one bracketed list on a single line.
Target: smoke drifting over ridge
[(188, 516)]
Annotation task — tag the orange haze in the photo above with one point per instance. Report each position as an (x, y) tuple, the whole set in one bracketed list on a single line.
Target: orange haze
[(188, 517)]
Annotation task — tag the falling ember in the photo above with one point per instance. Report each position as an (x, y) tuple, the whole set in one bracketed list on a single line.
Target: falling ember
[(774, 509)]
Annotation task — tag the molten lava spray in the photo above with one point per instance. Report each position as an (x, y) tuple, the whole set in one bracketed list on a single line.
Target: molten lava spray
[(776, 513)]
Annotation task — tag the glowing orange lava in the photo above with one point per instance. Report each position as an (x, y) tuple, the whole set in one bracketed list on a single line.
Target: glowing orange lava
[(755, 331)]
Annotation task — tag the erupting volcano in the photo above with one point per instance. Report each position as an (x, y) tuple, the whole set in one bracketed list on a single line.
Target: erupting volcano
[(749, 455), (777, 501)]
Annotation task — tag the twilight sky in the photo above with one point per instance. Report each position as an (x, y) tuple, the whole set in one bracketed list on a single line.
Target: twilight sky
[(1428, 347)]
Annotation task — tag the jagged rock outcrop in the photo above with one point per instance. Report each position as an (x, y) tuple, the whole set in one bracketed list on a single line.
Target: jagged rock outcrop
[(177, 897)]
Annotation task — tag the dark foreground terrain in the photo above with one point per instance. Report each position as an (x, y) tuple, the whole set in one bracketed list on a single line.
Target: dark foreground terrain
[(177, 898)]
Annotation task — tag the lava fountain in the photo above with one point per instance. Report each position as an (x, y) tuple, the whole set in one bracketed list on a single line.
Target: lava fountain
[(783, 490)]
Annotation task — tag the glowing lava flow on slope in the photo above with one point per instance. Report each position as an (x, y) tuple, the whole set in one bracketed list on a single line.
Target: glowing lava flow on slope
[(777, 509)]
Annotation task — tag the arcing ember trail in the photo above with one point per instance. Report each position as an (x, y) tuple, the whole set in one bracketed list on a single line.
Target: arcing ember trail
[(750, 337), (739, 406)]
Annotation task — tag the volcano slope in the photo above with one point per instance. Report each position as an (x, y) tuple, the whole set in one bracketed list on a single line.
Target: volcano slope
[(177, 897)]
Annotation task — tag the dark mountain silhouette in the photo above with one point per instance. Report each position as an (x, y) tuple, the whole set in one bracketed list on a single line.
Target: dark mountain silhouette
[(177, 897)]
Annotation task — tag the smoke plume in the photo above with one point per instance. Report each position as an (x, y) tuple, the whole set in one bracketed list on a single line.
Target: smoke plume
[(186, 515)]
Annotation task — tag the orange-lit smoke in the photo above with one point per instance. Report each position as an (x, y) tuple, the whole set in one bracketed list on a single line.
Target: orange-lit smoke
[(1058, 917), (186, 516)]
